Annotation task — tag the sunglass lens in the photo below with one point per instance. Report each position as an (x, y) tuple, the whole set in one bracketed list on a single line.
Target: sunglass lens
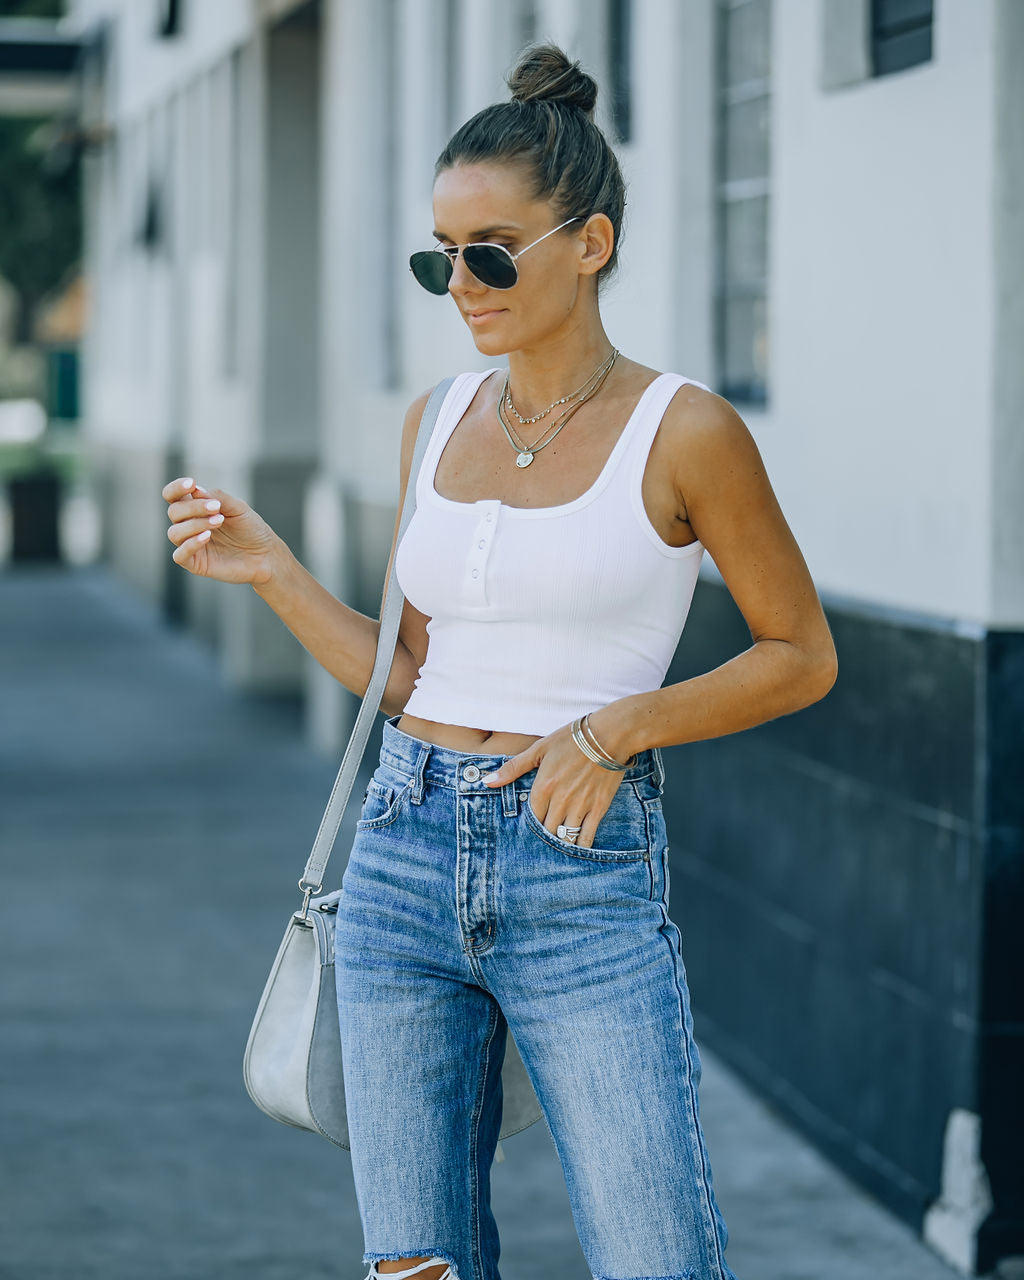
[(491, 266), (432, 269)]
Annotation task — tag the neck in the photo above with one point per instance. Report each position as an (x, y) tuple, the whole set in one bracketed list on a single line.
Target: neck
[(540, 375)]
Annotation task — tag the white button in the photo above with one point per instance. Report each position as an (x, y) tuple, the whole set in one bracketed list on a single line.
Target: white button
[(471, 773), (476, 573), (489, 515), (480, 543)]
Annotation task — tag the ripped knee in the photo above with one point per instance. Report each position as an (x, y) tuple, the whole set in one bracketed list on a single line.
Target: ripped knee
[(435, 1267)]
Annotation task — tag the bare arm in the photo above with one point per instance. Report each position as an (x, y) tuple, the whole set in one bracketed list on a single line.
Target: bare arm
[(342, 640), (218, 536), (726, 496)]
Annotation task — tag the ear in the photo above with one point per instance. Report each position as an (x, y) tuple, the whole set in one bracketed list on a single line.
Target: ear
[(597, 240)]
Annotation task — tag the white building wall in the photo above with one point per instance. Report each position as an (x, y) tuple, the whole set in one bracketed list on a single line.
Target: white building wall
[(888, 435), (880, 432)]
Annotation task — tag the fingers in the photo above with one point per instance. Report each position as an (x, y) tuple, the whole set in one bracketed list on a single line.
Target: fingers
[(184, 487), (180, 532), (548, 820), (183, 555), (517, 765), (193, 512), (194, 509), (177, 488)]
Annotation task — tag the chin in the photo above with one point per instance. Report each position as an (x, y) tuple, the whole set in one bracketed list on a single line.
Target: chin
[(491, 346)]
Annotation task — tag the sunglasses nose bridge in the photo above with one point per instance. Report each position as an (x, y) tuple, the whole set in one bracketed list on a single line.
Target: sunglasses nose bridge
[(470, 280)]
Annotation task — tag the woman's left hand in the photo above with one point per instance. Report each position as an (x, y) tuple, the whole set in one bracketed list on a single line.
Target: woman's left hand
[(568, 788)]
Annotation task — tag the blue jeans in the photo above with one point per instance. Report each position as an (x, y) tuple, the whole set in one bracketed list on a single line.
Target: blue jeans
[(461, 916)]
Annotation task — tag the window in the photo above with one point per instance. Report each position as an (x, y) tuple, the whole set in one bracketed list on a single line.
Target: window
[(168, 18), (620, 55), (901, 34), (743, 59)]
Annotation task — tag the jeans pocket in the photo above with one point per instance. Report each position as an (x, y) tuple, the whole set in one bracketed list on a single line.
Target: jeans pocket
[(382, 804), (621, 836)]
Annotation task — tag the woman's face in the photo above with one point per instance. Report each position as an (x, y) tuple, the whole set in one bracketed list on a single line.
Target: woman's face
[(490, 202)]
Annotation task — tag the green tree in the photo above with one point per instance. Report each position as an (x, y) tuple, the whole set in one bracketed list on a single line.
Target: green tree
[(31, 8), (40, 220), (40, 207)]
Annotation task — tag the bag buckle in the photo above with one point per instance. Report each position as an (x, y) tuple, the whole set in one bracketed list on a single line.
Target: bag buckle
[(307, 892)]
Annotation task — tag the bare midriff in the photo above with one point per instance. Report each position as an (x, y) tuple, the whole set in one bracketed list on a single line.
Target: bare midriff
[(460, 738)]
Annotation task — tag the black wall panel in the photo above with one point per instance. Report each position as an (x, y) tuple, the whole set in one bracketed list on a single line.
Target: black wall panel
[(849, 881)]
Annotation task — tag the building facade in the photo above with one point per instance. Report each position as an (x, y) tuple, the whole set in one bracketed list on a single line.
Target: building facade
[(826, 208)]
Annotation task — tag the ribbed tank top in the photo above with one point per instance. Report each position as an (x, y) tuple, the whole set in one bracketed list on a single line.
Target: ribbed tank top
[(540, 614)]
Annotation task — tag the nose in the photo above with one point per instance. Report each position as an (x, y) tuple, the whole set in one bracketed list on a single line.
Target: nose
[(463, 280)]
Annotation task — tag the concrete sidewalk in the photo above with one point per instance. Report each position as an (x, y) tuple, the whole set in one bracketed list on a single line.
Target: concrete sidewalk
[(153, 824)]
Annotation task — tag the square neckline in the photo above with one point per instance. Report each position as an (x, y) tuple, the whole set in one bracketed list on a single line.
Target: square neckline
[(561, 508)]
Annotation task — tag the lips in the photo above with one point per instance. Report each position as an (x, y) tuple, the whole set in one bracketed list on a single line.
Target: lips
[(476, 317)]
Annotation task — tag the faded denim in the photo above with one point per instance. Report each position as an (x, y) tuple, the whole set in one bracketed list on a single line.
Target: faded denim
[(462, 916)]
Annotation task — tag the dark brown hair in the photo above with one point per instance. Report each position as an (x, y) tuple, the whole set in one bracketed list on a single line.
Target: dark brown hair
[(549, 129)]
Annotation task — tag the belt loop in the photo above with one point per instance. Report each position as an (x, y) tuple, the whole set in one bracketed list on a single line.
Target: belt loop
[(509, 805), (659, 769), (416, 794)]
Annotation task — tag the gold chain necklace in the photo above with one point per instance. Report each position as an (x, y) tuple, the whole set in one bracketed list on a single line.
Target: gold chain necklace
[(526, 452), (525, 422)]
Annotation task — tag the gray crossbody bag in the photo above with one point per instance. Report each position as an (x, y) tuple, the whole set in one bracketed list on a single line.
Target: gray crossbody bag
[(292, 1066)]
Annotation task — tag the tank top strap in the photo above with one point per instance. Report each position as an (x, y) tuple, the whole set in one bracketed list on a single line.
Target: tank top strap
[(457, 400), (642, 429)]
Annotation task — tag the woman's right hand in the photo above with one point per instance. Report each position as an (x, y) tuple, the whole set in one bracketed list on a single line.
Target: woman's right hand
[(218, 536)]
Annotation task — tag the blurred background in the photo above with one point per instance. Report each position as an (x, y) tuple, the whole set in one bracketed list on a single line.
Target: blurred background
[(206, 211)]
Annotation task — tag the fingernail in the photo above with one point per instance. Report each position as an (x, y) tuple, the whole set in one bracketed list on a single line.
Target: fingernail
[(489, 777), (216, 519), (213, 505), (187, 482), (207, 533)]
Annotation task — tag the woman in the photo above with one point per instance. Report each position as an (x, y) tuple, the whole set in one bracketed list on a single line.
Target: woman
[(510, 866)]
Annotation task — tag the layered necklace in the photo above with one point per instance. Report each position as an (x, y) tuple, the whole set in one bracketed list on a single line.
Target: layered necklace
[(525, 452)]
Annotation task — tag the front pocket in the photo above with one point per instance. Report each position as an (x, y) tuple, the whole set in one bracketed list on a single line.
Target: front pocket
[(382, 804), (622, 830)]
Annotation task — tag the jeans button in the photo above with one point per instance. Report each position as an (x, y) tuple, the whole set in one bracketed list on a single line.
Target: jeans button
[(471, 773)]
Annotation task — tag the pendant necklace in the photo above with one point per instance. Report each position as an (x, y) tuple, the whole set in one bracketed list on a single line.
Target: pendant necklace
[(526, 453)]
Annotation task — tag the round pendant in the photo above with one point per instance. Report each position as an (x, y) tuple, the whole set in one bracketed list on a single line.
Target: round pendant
[(524, 459)]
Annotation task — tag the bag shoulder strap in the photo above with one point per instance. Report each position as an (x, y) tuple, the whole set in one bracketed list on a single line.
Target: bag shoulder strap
[(390, 618)]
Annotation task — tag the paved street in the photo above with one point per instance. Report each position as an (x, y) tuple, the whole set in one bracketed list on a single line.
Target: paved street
[(152, 825)]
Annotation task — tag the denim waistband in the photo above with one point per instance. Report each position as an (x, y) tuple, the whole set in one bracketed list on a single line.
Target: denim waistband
[(445, 766)]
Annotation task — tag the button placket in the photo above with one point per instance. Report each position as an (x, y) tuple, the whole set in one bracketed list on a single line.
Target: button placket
[(479, 550)]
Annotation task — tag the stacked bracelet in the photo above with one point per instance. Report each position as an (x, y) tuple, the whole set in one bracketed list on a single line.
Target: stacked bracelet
[(592, 749)]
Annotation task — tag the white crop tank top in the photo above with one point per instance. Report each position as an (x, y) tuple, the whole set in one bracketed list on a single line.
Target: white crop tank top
[(540, 614)]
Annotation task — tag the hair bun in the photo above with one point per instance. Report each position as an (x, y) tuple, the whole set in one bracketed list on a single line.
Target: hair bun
[(545, 73)]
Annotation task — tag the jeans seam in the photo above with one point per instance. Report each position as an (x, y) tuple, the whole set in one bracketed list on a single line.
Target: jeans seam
[(698, 1147), (474, 1142)]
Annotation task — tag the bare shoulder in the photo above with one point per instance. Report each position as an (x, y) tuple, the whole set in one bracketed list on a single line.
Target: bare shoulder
[(706, 441), (697, 418)]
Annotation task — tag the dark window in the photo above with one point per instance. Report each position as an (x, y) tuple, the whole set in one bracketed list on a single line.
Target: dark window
[(620, 56), (901, 34), (168, 18)]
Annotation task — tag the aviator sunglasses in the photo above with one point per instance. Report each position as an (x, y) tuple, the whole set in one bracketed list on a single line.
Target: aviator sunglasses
[(492, 264)]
